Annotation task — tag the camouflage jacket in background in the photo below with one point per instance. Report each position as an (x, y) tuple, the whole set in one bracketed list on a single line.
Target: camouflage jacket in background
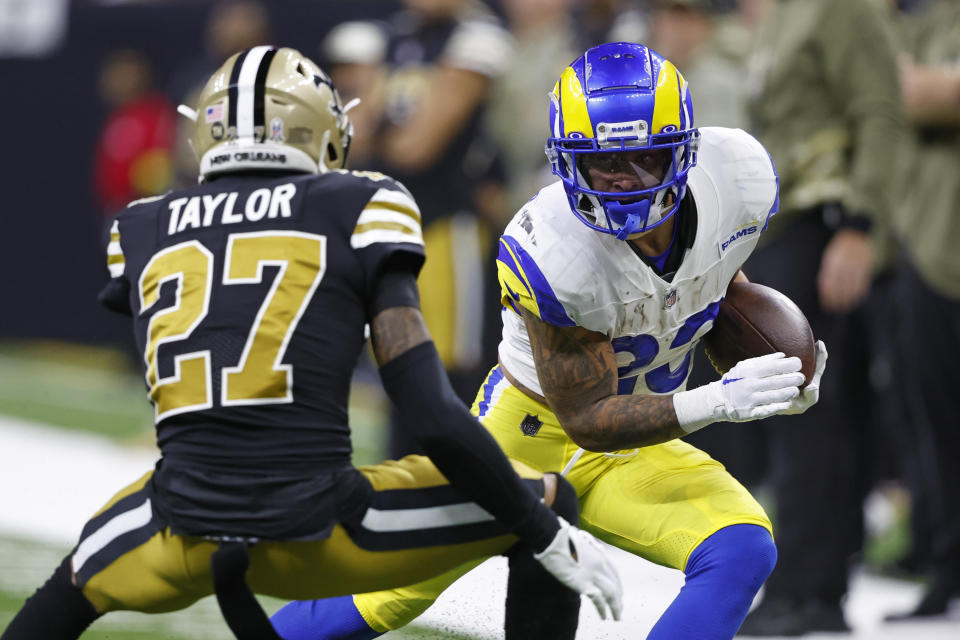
[(824, 98), (927, 217)]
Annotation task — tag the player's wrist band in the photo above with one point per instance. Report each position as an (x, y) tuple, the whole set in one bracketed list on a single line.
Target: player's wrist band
[(696, 408)]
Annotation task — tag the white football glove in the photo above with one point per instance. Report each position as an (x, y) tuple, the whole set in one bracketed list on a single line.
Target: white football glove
[(753, 389), (576, 559), (810, 393)]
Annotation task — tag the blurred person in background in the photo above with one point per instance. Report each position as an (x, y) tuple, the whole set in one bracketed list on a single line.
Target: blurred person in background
[(232, 26), (734, 29), (133, 155), (683, 30), (353, 52), (927, 295), (426, 108), (249, 374), (545, 39), (600, 21), (824, 99)]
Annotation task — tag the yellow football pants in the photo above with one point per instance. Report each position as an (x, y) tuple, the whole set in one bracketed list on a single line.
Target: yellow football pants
[(657, 502)]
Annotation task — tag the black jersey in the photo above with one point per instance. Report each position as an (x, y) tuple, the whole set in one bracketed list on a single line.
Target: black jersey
[(250, 295), (472, 40)]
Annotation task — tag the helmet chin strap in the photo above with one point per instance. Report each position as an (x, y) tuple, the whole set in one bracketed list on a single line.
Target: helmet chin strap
[(635, 214)]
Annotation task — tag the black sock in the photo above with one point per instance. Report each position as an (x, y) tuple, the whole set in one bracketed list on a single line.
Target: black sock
[(57, 611), (537, 605)]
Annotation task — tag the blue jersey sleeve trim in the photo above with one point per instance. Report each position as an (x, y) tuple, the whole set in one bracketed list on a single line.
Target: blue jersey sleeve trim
[(551, 310), (775, 207), (492, 381), (506, 258)]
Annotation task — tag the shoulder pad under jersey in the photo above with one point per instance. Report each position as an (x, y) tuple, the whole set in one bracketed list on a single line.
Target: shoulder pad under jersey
[(743, 173)]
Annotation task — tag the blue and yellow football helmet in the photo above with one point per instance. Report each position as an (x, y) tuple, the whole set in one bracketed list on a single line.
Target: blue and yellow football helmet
[(621, 108)]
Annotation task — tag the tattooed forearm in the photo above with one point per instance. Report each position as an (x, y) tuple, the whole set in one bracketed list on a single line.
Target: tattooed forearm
[(396, 330), (573, 364), (622, 422), (578, 374)]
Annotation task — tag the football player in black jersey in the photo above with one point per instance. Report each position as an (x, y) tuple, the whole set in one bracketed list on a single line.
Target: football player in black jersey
[(250, 295)]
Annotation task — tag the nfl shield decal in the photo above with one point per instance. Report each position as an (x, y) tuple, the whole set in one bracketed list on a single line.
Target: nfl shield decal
[(670, 299), (530, 425), (276, 130)]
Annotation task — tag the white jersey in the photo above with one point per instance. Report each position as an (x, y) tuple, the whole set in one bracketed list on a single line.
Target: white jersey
[(568, 274)]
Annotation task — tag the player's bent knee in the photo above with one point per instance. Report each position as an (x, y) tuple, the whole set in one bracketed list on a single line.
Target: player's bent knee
[(742, 555), (756, 555), (723, 574)]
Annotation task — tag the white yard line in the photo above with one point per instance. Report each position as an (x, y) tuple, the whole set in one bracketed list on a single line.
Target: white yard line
[(51, 481)]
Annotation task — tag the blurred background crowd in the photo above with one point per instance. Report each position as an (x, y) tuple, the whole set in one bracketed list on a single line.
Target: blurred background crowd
[(858, 102)]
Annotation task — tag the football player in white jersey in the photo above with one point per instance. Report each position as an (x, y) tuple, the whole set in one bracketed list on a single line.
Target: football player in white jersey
[(609, 277)]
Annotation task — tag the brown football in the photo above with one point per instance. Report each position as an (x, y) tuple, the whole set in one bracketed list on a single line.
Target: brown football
[(755, 320)]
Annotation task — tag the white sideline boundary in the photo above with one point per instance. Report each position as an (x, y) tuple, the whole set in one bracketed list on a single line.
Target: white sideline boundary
[(52, 481)]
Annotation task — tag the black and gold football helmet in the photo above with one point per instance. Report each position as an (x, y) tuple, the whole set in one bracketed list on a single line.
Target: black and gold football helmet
[(268, 108)]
